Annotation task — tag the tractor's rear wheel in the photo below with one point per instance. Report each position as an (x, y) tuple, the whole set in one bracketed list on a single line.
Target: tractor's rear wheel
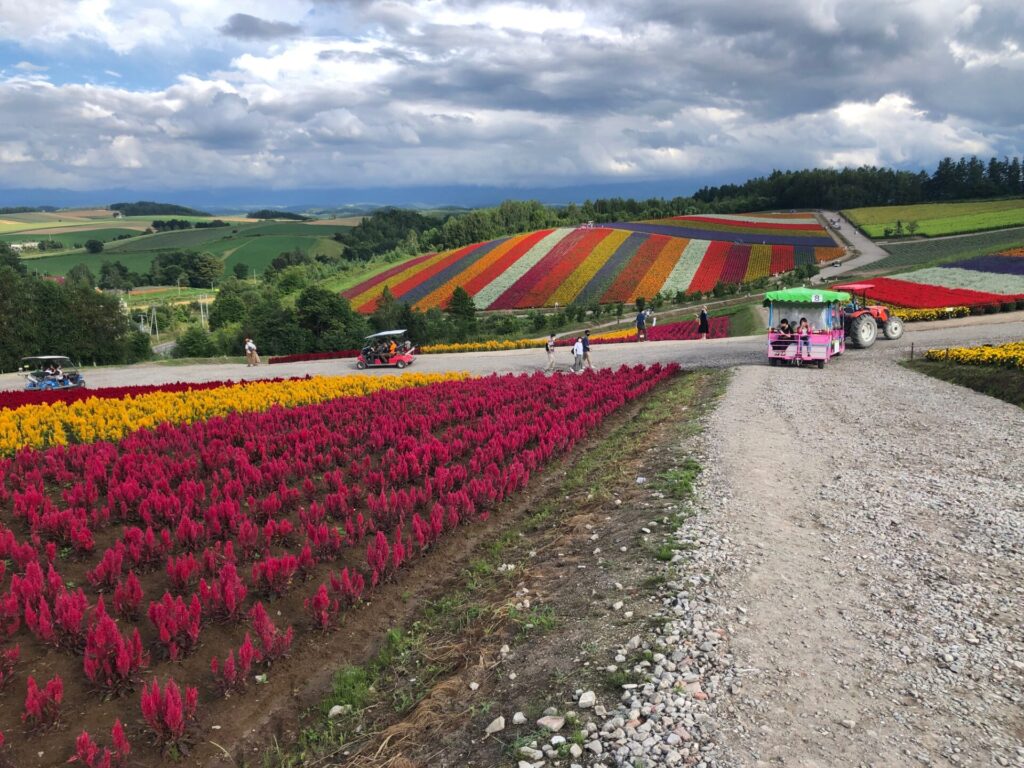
[(863, 331), (821, 364), (893, 328)]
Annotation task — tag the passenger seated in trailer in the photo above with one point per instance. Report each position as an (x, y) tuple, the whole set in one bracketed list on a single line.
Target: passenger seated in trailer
[(803, 332), (784, 336)]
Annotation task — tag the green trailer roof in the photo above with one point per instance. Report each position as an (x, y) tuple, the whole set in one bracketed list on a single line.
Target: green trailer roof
[(805, 296)]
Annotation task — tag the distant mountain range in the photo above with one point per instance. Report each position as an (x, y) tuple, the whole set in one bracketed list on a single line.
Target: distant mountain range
[(350, 202)]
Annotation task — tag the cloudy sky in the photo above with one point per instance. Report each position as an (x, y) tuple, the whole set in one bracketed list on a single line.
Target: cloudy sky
[(305, 94)]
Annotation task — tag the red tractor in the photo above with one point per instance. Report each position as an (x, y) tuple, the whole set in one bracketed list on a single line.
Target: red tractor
[(863, 321)]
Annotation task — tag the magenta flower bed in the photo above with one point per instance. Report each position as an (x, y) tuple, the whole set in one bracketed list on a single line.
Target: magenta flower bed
[(718, 328), (307, 509), (307, 356)]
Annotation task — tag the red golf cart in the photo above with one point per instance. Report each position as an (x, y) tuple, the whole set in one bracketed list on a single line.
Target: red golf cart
[(376, 353)]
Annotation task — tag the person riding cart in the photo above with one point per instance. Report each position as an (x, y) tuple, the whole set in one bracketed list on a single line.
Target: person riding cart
[(45, 372), (387, 349), (805, 325)]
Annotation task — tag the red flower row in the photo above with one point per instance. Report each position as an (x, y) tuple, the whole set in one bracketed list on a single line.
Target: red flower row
[(904, 293)]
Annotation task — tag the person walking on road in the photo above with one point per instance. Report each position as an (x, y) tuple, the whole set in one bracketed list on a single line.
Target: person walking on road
[(252, 357), (702, 323), (641, 326), (577, 354), (586, 350), (550, 348)]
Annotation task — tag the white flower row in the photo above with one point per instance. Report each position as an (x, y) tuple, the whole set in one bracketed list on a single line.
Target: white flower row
[(972, 280), (682, 273), (493, 290)]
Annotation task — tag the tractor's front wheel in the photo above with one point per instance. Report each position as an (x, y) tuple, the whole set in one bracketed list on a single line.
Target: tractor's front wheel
[(893, 328), (863, 331)]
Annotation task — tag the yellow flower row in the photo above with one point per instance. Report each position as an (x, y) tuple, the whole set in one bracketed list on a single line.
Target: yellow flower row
[(86, 421), (1004, 355), (943, 313), (622, 333), (482, 346)]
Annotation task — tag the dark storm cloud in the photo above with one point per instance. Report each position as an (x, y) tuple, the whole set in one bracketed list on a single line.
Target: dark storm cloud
[(246, 27), (549, 92)]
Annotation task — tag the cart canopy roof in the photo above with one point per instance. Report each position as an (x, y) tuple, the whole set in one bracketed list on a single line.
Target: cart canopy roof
[(805, 296), (386, 333), (46, 359)]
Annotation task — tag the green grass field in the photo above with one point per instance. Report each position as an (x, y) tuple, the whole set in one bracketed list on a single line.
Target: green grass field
[(70, 239), (181, 239), (61, 264), (929, 253), (936, 219)]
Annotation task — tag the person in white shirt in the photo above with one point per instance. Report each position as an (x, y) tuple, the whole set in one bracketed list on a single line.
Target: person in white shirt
[(577, 353), (251, 357)]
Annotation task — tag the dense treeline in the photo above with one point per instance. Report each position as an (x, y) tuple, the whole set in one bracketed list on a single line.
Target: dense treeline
[(26, 209), (270, 213), (963, 179), (386, 230), (197, 270), (169, 225), (149, 208), (40, 316)]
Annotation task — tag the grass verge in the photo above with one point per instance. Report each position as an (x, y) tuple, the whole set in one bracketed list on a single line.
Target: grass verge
[(1005, 383)]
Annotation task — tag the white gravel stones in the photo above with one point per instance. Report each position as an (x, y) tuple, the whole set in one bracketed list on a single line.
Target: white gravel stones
[(530, 753), (587, 700), (518, 718), (551, 722), (496, 725)]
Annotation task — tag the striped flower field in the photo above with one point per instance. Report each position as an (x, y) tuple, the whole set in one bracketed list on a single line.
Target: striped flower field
[(612, 263), (979, 281)]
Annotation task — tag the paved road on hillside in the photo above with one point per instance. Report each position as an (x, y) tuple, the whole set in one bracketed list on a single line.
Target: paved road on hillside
[(717, 353), (869, 251)]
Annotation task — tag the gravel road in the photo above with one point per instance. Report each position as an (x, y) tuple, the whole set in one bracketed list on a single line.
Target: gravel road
[(715, 353), (868, 251), (872, 591)]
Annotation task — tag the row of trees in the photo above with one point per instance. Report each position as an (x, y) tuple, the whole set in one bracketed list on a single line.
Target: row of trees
[(39, 316), (196, 270), (322, 321), (964, 179)]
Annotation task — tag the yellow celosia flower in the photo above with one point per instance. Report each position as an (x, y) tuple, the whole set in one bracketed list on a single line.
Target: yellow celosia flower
[(1003, 355), (86, 421)]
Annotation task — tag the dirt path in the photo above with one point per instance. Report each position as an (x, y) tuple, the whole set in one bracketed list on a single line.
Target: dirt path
[(878, 591)]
